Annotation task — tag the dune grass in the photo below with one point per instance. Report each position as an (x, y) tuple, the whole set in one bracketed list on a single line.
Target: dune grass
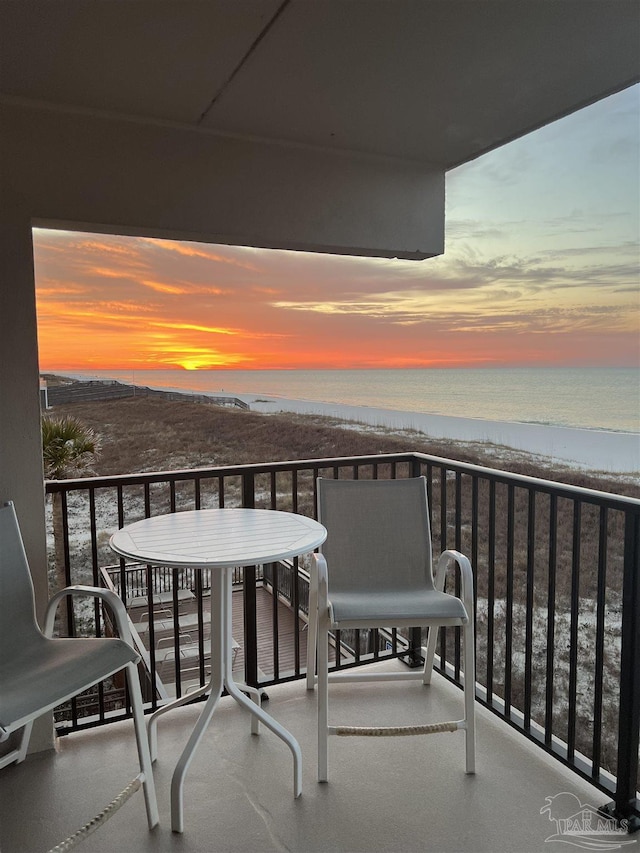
[(141, 434)]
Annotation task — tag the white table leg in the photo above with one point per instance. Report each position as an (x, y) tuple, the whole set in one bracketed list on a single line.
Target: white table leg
[(152, 723), (222, 676), (218, 650), (257, 713), (277, 729)]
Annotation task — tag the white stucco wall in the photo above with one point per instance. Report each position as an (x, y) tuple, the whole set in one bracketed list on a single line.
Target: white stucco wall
[(21, 477)]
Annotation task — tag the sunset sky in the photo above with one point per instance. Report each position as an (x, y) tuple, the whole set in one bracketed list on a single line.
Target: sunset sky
[(541, 268)]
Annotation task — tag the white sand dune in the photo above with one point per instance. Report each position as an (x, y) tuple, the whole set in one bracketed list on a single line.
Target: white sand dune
[(595, 450)]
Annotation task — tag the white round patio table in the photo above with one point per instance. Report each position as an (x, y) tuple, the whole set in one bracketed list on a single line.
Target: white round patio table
[(219, 539)]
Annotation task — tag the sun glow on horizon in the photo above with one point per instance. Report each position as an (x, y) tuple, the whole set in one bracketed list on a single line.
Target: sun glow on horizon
[(370, 314)]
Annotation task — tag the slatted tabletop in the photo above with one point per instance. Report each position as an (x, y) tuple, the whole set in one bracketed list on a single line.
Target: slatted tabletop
[(218, 538)]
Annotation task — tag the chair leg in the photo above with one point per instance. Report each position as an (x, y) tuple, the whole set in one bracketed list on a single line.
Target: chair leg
[(146, 768), (312, 637), (469, 697), (432, 640), (323, 699)]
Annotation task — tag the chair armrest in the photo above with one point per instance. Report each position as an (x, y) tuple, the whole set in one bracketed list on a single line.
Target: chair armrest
[(466, 577), (318, 578), (319, 585), (115, 604)]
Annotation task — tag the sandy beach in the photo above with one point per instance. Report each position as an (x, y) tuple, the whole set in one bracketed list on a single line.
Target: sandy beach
[(591, 450), (594, 450)]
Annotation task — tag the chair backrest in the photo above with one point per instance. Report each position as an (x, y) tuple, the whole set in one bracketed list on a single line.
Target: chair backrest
[(378, 534), (17, 603)]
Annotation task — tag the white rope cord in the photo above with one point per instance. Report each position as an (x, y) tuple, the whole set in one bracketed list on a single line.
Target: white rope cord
[(99, 819), (394, 731)]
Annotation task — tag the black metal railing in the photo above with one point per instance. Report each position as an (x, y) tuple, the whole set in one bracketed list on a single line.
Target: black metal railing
[(557, 591)]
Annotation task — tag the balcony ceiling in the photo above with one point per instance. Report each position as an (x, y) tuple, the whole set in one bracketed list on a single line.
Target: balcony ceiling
[(439, 81)]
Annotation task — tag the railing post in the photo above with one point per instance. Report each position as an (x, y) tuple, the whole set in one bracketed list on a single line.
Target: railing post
[(249, 592), (413, 657), (625, 805)]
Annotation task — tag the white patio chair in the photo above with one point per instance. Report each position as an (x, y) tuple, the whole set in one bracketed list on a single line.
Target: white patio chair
[(375, 571), (38, 673)]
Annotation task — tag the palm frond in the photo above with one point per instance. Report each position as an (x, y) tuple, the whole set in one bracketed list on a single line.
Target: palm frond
[(68, 446)]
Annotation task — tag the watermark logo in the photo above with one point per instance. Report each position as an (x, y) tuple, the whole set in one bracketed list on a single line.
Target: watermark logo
[(583, 825)]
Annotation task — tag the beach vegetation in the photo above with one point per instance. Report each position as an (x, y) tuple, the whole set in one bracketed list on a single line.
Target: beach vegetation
[(69, 446), (69, 449), (163, 435)]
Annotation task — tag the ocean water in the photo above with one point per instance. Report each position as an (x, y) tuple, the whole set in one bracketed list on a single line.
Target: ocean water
[(589, 398)]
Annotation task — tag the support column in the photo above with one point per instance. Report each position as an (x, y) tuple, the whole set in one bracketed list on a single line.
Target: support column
[(21, 475)]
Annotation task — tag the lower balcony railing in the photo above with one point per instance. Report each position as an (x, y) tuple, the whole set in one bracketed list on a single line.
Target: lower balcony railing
[(557, 591)]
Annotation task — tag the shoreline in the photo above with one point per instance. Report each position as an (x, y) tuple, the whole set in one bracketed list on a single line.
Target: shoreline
[(580, 398), (588, 449), (591, 450)]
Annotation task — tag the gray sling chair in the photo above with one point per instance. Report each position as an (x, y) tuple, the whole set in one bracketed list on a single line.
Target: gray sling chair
[(37, 673), (375, 571)]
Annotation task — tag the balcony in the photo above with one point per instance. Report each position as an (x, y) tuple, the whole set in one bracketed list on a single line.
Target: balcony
[(558, 640), (393, 794)]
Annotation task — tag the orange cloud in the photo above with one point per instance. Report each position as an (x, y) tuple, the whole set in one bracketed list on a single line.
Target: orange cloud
[(109, 301), (161, 287), (194, 328), (198, 250)]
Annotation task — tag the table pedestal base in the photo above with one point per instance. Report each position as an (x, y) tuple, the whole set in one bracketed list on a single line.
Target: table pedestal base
[(221, 678)]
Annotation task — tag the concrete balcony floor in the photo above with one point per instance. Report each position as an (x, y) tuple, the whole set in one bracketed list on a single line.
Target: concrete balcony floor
[(384, 794)]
